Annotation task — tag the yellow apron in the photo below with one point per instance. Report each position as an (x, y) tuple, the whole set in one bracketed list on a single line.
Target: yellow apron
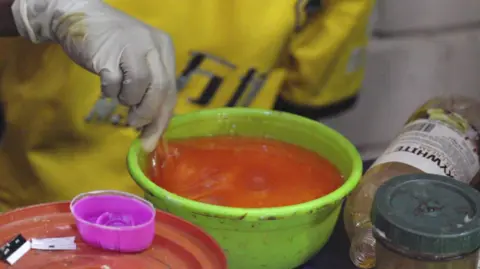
[(229, 53)]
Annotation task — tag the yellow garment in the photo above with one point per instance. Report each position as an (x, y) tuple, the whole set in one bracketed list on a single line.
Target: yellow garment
[(50, 153)]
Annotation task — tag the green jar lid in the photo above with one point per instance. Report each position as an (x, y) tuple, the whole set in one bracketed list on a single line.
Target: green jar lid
[(427, 215)]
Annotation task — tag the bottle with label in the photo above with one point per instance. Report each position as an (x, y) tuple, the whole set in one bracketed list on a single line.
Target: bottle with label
[(441, 138), (426, 221)]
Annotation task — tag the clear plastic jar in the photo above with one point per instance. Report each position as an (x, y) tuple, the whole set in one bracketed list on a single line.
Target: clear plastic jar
[(426, 221), (441, 137), (388, 257)]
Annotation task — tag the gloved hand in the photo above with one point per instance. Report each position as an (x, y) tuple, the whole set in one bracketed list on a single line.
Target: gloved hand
[(136, 62)]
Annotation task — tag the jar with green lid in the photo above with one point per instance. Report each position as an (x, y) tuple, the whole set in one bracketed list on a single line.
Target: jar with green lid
[(426, 222)]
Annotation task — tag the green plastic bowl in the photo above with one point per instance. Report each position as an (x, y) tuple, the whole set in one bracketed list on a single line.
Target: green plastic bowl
[(270, 238)]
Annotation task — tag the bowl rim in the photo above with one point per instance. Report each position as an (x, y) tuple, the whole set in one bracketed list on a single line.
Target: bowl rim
[(252, 213)]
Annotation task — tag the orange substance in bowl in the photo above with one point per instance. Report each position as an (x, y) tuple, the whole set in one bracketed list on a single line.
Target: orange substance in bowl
[(243, 172)]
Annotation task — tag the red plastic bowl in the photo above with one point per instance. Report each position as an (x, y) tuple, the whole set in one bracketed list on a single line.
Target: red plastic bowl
[(177, 243)]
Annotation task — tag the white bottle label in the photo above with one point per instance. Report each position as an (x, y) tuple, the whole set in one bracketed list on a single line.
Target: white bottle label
[(436, 147)]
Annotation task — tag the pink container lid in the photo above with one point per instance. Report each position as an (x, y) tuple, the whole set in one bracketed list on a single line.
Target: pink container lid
[(177, 243), (114, 220)]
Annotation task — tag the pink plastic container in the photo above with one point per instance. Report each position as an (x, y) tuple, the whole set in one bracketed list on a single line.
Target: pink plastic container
[(114, 220)]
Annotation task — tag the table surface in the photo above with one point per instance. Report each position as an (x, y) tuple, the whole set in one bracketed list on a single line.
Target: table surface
[(335, 253)]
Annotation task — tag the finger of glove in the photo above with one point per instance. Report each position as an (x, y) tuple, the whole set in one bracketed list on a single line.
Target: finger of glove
[(111, 82), (136, 77), (151, 133), (165, 46), (164, 95), (144, 113)]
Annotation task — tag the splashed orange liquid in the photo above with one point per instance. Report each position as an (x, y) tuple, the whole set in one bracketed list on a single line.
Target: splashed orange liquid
[(243, 172)]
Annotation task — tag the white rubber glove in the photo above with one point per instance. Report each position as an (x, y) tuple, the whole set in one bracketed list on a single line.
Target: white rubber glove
[(136, 62)]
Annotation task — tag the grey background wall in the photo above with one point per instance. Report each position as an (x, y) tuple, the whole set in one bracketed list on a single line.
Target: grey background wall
[(420, 49)]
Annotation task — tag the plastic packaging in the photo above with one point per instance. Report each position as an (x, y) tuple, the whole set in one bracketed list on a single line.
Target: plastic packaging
[(426, 221), (114, 220), (439, 138)]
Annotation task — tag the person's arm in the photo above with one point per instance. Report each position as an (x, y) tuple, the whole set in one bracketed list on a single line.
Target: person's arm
[(135, 62), (7, 23), (326, 60)]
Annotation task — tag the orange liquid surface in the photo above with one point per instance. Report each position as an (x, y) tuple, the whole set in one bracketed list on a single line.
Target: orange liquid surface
[(243, 172)]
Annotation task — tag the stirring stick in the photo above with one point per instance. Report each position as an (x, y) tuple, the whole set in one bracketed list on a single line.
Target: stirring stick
[(165, 150), (165, 145)]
